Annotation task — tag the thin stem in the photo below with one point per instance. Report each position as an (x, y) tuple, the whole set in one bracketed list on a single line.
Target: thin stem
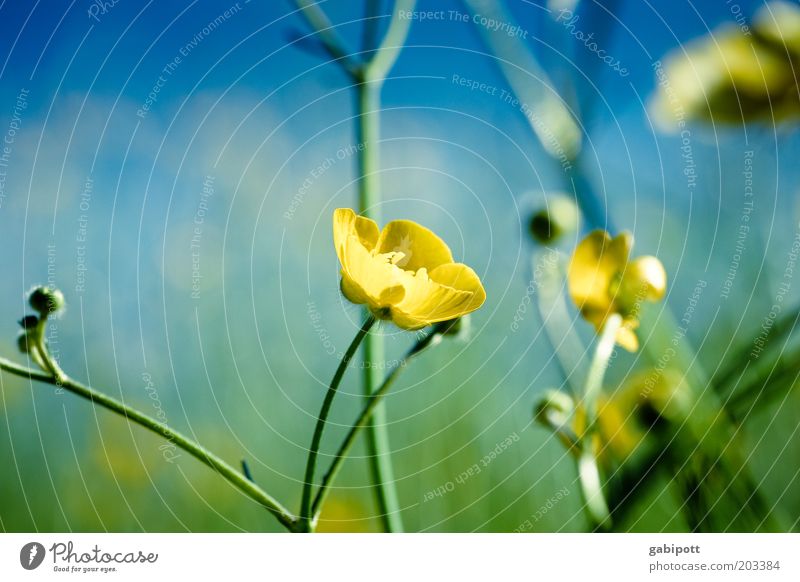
[(328, 36), (597, 369), (373, 402), (371, 20), (316, 440), (193, 448), (369, 196), (368, 80), (388, 51), (588, 471)]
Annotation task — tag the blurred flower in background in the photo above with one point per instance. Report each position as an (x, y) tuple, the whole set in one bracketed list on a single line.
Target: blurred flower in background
[(735, 74)]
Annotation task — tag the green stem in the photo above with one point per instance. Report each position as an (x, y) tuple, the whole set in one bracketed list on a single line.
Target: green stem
[(369, 196), (373, 402), (588, 472), (368, 80), (193, 448), (313, 452), (597, 369)]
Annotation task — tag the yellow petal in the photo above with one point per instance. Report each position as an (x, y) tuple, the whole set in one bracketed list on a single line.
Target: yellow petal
[(420, 247), (597, 260), (644, 279), (368, 278), (626, 337), (461, 277), (347, 223), (427, 302)]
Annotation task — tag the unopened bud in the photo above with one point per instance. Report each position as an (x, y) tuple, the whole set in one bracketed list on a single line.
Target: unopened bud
[(29, 322), (46, 301), (560, 217)]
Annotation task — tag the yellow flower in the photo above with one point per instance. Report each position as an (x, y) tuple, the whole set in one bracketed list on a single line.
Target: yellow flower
[(603, 281), (404, 273), (732, 75)]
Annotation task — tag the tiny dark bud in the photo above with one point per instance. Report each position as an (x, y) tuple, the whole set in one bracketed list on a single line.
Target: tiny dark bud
[(28, 322), (560, 217), (45, 300), (24, 343)]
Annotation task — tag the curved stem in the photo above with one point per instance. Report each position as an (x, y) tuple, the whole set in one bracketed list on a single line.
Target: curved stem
[(193, 448), (588, 471), (372, 403), (391, 45), (597, 369), (313, 451)]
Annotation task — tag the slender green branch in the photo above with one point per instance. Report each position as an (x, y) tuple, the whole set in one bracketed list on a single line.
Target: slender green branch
[(193, 448), (372, 403), (369, 37), (316, 440), (388, 51), (328, 36)]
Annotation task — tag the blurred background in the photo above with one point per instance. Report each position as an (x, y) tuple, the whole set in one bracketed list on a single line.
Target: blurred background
[(173, 168)]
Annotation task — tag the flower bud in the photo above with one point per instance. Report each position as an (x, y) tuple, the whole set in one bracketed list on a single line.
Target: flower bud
[(46, 301), (644, 279), (29, 322), (24, 343), (458, 328), (555, 408), (559, 218)]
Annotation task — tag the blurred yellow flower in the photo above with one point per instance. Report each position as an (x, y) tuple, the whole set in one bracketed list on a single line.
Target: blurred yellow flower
[(404, 273), (732, 75), (602, 280)]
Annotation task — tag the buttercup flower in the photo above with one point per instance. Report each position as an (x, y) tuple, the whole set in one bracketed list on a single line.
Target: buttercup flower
[(404, 273), (732, 75), (603, 281)]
